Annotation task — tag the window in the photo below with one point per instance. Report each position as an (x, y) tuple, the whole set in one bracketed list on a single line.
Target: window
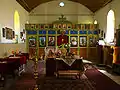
[(16, 23), (110, 27)]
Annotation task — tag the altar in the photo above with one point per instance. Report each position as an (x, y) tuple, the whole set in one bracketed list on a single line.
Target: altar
[(58, 66)]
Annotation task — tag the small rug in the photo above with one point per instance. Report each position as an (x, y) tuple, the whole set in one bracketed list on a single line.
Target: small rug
[(53, 83)]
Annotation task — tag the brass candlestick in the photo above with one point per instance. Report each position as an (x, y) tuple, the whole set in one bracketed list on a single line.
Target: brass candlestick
[(35, 71)]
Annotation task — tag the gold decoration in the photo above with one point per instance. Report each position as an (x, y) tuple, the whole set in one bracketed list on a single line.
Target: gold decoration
[(35, 71)]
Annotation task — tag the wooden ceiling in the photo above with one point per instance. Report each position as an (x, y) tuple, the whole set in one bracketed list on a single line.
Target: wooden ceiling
[(93, 5)]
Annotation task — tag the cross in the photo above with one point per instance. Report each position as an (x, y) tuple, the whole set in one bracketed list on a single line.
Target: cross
[(62, 18)]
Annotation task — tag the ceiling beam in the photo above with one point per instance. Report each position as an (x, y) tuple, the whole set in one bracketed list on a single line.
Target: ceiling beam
[(60, 14), (24, 5)]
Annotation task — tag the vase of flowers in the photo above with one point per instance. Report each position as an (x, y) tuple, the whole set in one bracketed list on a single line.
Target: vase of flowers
[(14, 53)]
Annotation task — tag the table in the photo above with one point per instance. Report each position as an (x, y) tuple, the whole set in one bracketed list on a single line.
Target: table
[(8, 66), (54, 65)]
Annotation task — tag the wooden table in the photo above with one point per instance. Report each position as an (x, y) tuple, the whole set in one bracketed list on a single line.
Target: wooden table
[(55, 66)]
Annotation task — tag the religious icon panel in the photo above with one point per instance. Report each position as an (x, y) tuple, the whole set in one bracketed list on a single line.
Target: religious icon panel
[(62, 39), (42, 41), (51, 41), (83, 41), (32, 42), (74, 41), (92, 41)]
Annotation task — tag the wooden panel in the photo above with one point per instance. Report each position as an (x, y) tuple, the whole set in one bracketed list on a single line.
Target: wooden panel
[(32, 52), (73, 50), (116, 55), (41, 51), (92, 54), (108, 56), (83, 53), (93, 6), (100, 54)]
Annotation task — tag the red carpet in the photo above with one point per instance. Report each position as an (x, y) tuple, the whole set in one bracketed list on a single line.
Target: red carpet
[(101, 81), (25, 82)]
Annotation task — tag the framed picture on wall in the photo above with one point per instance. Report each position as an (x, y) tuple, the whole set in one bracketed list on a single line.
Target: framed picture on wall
[(21, 35), (42, 41), (74, 41), (51, 41), (9, 33), (95, 40), (3, 32), (83, 41), (90, 41), (32, 42), (16, 39), (13, 34)]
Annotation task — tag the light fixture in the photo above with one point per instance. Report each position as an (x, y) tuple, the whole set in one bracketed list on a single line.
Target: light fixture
[(95, 22), (61, 4), (27, 22)]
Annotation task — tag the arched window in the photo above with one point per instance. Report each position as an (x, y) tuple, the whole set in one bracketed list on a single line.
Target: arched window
[(16, 22), (110, 27)]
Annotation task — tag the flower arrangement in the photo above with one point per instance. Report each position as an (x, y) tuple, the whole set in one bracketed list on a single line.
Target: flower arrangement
[(15, 52)]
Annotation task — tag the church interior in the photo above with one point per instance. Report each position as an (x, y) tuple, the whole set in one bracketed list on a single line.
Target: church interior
[(60, 45)]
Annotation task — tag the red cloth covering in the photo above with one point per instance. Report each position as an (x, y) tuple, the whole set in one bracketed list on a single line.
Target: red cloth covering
[(9, 64), (23, 59), (62, 39)]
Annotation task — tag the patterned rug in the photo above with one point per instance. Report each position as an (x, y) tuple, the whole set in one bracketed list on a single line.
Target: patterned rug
[(92, 79), (53, 83)]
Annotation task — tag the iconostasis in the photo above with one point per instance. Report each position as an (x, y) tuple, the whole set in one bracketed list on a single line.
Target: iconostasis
[(82, 38)]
